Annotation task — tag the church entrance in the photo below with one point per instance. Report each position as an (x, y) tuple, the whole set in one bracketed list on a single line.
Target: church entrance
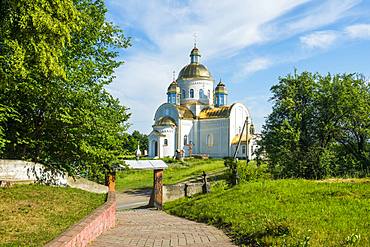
[(155, 148)]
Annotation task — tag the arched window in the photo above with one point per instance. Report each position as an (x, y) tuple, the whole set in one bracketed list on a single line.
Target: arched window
[(209, 140), (191, 93), (183, 93), (185, 140), (209, 94), (201, 93), (165, 142)]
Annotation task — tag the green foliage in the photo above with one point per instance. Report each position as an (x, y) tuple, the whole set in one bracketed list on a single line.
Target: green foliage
[(319, 126), (135, 139), (252, 171), (32, 215), (285, 212), (57, 59)]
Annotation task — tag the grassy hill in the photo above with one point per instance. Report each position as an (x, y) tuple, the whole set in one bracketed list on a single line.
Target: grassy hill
[(32, 215), (286, 212), (176, 172)]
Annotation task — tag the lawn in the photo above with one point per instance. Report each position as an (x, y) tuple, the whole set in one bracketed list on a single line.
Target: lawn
[(177, 172), (32, 215), (286, 212)]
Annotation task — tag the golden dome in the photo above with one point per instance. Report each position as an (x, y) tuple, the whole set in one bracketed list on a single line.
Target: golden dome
[(221, 88), (173, 88), (194, 70), (165, 121)]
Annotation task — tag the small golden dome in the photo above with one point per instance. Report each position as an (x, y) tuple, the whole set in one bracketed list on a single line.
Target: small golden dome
[(195, 70), (173, 88), (166, 121), (221, 88)]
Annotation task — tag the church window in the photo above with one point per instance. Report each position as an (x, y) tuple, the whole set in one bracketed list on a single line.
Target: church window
[(209, 140), (209, 94), (221, 100), (191, 93), (243, 149), (169, 99), (201, 93), (165, 142), (183, 93), (185, 140)]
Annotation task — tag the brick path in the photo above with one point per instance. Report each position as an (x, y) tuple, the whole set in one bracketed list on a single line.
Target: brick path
[(149, 227)]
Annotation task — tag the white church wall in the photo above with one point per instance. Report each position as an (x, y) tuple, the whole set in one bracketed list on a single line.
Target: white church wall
[(168, 147), (238, 114), (186, 130), (213, 137), (197, 86)]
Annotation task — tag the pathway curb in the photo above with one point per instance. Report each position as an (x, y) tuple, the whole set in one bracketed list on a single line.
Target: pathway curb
[(89, 228)]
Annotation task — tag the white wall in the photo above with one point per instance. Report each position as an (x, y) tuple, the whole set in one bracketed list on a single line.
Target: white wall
[(166, 132), (238, 114), (217, 129), (187, 128), (196, 85)]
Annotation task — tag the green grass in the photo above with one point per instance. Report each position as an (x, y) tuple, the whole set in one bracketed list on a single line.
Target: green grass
[(32, 215), (177, 172), (286, 212)]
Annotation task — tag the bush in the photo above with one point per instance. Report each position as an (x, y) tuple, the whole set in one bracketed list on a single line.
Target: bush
[(252, 172)]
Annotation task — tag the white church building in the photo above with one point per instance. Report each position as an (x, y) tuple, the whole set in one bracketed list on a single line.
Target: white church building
[(197, 119)]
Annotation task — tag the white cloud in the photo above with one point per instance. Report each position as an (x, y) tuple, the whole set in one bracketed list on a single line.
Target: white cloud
[(327, 12), (358, 31), (320, 39), (224, 28), (255, 65)]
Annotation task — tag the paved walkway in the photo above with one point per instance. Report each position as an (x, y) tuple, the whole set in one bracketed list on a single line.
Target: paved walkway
[(150, 227)]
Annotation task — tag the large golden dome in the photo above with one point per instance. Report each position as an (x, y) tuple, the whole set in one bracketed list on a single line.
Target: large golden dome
[(194, 70)]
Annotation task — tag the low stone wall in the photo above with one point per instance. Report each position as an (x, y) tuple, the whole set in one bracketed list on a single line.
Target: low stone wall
[(24, 171), (82, 233), (19, 171), (176, 191)]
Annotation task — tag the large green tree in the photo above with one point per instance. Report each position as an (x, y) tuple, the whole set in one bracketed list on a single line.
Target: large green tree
[(58, 56), (319, 126)]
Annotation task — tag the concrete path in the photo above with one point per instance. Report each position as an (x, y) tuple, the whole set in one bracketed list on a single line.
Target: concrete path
[(133, 199), (150, 227)]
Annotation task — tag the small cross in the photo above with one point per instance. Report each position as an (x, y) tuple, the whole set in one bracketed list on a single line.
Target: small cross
[(195, 39), (173, 75)]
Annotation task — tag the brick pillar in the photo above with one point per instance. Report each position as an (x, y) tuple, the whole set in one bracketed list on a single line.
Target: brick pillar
[(158, 188), (111, 181)]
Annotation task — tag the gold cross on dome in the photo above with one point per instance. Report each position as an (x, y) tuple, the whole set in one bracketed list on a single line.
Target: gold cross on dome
[(195, 39)]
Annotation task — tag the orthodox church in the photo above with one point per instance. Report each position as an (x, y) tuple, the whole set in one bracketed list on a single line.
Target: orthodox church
[(197, 119)]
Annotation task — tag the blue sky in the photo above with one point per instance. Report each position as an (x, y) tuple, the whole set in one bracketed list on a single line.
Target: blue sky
[(247, 43)]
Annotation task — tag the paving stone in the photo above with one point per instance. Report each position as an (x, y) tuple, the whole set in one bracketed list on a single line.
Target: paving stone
[(150, 227)]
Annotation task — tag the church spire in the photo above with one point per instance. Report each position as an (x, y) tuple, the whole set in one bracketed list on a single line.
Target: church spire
[(195, 55)]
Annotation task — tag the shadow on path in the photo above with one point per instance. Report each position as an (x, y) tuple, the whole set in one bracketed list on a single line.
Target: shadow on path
[(131, 199)]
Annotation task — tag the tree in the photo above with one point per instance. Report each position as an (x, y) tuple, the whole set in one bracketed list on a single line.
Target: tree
[(316, 121), (135, 139), (65, 54)]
